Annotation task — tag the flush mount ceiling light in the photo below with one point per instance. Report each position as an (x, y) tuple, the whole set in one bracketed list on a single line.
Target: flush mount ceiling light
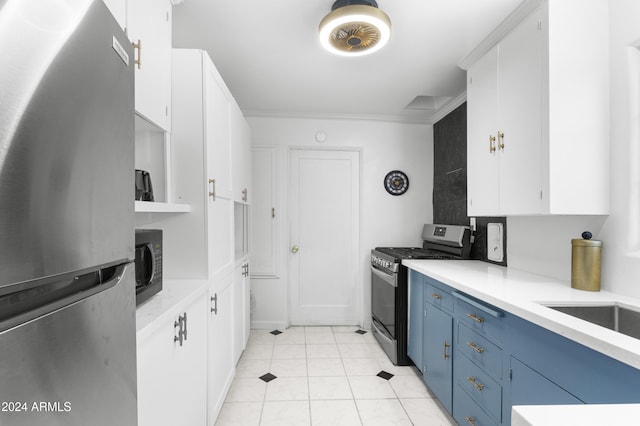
[(355, 28)]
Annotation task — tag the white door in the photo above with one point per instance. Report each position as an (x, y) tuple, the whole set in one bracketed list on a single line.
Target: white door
[(519, 88), (325, 286), (483, 195)]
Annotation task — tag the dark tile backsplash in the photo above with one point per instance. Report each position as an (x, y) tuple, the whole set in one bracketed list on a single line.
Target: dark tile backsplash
[(450, 181), (450, 168)]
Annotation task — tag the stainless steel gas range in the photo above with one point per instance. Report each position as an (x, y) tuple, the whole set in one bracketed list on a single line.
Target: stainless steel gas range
[(389, 283)]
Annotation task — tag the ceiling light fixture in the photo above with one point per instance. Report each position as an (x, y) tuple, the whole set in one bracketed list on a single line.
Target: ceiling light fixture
[(355, 28)]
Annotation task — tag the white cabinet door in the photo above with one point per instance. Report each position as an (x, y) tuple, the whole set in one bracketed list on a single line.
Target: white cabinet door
[(241, 155), (191, 394), (220, 365), (240, 310), (157, 374), (172, 385), (519, 119), (483, 191), (217, 130), (149, 23), (246, 303), (264, 216), (220, 236)]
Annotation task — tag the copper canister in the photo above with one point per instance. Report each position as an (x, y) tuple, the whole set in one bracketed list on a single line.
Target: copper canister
[(586, 255)]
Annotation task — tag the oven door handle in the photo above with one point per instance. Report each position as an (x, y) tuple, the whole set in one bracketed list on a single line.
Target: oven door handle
[(389, 279)]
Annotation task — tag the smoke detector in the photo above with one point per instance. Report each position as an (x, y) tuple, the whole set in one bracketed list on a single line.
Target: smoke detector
[(355, 28)]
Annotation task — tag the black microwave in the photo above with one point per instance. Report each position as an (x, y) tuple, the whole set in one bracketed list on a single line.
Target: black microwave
[(148, 263)]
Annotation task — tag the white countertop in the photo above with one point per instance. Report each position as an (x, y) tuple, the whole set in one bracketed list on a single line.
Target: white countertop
[(584, 415), (166, 303), (522, 294)]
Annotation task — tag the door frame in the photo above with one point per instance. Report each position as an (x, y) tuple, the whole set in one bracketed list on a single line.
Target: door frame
[(359, 274)]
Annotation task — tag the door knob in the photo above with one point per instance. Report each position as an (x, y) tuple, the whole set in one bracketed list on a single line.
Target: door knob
[(295, 249)]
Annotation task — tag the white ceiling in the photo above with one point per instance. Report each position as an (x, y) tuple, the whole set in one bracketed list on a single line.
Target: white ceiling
[(269, 55)]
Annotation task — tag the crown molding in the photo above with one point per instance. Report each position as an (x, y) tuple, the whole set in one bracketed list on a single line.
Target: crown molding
[(335, 116), (448, 107), (509, 23)]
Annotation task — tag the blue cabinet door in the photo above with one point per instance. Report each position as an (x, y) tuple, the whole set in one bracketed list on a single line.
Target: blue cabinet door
[(437, 351), (416, 296), (528, 387)]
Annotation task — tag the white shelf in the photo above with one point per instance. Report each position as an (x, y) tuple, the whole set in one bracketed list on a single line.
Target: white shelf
[(155, 207)]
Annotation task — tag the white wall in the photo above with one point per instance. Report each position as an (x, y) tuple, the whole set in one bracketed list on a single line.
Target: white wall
[(542, 245), (385, 220)]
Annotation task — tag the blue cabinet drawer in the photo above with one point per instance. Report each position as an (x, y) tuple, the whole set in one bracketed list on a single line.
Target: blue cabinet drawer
[(467, 413), (438, 295), (481, 318), (480, 386), (480, 350)]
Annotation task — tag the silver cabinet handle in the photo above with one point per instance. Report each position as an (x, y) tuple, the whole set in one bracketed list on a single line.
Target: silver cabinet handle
[(212, 189), (214, 299), (181, 322)]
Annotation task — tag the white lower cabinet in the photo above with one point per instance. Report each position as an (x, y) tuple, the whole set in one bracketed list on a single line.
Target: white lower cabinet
[(241, 322), (221, 366), (171, 387)]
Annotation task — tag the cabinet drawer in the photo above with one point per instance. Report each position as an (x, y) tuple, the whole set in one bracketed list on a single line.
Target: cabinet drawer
[(480, 386), (439, 296), (480, 350), (467, 412), (483, 319)]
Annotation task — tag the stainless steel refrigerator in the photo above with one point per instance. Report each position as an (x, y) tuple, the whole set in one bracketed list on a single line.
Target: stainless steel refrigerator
[(67, 284)]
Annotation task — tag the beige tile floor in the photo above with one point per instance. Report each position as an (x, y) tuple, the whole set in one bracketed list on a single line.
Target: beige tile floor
[(325, 376)]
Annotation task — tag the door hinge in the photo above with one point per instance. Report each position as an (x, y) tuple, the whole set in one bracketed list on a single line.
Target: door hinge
[(510, 375)]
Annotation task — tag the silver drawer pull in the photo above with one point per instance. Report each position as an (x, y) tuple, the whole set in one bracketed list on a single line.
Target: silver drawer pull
[(436, 296), (476, 348), (475, 384), (476, 318), (470, 420)]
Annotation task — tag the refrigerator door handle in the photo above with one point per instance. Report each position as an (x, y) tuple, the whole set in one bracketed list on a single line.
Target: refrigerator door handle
[(25, 305)]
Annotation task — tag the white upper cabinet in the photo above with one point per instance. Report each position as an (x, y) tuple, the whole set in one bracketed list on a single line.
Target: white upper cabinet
[(149, 28), (241, 155), (201, 150), (537, 136), (217, 112)]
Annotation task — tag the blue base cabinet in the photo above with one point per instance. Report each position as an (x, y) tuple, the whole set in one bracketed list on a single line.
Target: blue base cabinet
[(480, 361), (416, 303), (438, 353), (551, 369), (529, 387)]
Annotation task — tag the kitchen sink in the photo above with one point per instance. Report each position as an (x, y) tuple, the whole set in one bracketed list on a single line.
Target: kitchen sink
[(613, 317)]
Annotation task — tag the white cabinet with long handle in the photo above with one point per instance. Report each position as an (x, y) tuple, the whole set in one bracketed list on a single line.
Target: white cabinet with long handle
[(220, 356), (171, 361), (149, 28)]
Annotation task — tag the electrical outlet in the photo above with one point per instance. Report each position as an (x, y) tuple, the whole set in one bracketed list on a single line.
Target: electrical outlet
[(495, 251)]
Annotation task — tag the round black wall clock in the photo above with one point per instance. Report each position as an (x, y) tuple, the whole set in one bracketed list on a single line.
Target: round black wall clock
[(396, 182)]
